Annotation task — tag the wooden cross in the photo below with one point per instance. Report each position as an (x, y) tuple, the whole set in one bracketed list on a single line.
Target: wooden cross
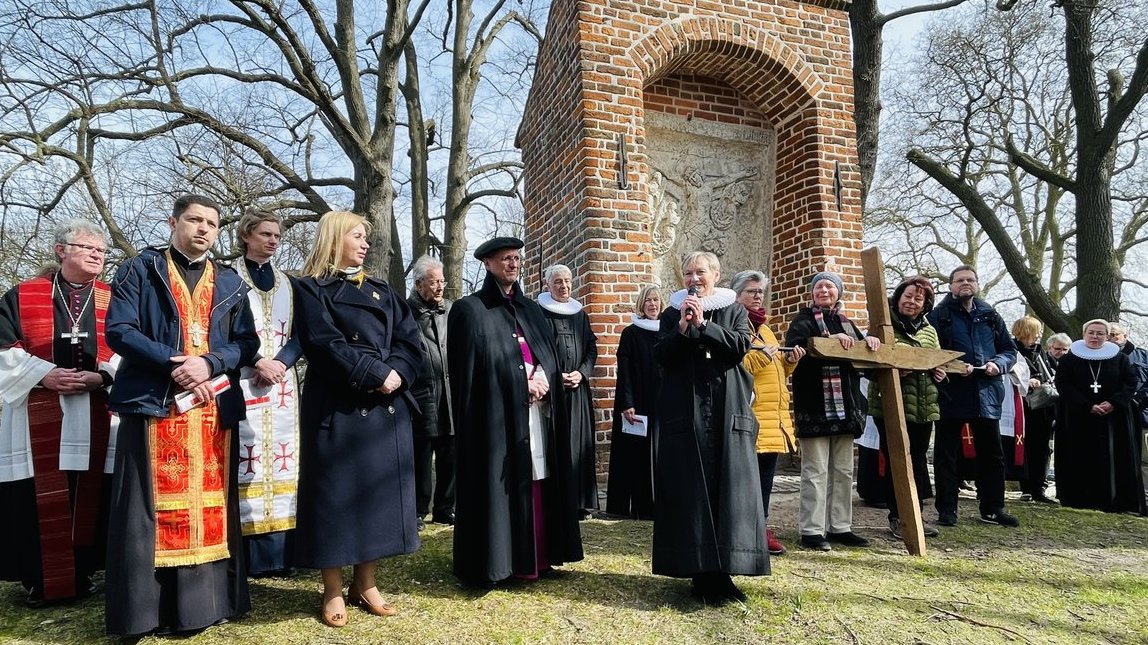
[(887, 361), (76, 335)]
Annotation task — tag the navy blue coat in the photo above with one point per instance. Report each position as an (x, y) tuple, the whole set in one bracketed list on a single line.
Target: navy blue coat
[(356, 463), (982, 335), (143, 327)]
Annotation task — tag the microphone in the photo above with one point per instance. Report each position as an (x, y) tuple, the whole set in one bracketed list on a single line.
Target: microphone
[(692, 291)]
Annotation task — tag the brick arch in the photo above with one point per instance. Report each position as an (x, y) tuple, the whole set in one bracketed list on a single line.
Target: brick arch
[(726, 45), (806, 117)]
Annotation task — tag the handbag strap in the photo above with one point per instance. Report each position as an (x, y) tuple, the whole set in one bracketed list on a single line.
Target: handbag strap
[(1045, 372)]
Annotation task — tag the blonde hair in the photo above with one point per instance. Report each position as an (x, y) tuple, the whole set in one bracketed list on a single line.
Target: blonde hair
[(1026, 328), (327, 250), (642, 295), (1095, 321)]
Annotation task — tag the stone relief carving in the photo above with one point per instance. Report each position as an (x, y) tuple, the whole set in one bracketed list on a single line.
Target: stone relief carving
[(710, 188)]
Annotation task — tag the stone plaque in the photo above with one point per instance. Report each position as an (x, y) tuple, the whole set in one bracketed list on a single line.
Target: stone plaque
[(710, 189)]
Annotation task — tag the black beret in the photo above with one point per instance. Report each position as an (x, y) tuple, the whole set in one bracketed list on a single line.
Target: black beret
[(488, 247)]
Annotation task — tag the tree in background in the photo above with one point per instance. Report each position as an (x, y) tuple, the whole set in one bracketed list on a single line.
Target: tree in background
[(987, 87), (1034, 149)]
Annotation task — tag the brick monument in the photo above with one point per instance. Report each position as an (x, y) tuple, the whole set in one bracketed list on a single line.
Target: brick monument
[(658, 127)]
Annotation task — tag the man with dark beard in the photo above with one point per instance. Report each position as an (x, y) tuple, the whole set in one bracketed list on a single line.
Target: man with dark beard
[(516, 511), (968, 324)]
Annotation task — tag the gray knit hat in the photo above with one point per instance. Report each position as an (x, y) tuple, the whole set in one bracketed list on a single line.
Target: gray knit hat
[(832, 277)]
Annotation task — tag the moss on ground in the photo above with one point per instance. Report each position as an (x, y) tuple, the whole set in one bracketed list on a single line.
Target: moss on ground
[(1064, 576)]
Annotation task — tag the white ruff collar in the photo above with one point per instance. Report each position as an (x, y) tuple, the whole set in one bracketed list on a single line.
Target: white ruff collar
[(645, 323), (721, 297), (567, 308), (1106, 351)]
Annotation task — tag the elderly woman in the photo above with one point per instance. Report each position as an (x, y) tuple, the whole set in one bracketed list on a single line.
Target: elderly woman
[(630, 489), (829, 411), (356, 453), (577, 353), (1097, 439), (770, 369), (709, 522), (1037, 421), (1056, 347), (911, 300)]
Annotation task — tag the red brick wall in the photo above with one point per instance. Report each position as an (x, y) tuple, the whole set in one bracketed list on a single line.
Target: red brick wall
[(783, 65)]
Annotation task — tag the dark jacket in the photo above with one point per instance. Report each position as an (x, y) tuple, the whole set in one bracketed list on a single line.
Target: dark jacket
[(432, 386), (982, 335), (809, 417), (490, 401), (1138, 358), (143, 327), (709, 515)]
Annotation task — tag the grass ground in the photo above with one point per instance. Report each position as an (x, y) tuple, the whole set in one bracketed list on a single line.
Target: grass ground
[(1064, 576)]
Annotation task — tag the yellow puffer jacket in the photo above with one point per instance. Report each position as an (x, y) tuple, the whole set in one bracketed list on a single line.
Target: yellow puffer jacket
[(771, 394)]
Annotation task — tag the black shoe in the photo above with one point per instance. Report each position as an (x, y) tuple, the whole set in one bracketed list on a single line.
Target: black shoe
[(1044, 499), (730, 590), (926, 528), (848, 538), (815, 542), (947, 518), (444, 519), (1000, 517)]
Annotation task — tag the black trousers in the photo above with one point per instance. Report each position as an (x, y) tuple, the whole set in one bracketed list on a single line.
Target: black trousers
[(1037, 451), (440, 481), (920, 434), (989, 463)]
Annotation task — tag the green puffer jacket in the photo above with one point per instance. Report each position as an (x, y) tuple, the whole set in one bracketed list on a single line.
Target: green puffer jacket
[(918, 389)]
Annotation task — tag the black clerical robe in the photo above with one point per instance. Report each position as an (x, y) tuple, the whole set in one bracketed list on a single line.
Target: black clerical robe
[(709, 515), (494, 518), (577, 352), (78, 551), (630, 488), (1098, 456)]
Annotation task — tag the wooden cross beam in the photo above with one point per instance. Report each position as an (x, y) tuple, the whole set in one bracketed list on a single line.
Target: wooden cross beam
[(886, 361)]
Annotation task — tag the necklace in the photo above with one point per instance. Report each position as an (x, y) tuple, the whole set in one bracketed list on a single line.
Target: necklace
[(76, 336), (1095, 378)]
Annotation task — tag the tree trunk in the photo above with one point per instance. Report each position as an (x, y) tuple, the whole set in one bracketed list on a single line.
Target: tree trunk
[(1098, 273), (866, 24), (417, 134), (464, 81)]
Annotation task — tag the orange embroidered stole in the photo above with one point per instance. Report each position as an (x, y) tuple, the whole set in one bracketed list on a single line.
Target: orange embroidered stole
[(64, 523), (189, 452)]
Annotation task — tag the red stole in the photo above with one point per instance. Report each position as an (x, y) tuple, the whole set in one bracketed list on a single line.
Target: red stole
[(189, 452), (62, 524)]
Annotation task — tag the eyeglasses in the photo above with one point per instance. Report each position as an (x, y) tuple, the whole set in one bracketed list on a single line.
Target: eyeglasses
[(754, 292), (435, 283), (90, 249)]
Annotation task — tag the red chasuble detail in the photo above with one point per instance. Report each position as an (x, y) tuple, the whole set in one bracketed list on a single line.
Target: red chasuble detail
[(968, 447), (189, 453), (63, 524)]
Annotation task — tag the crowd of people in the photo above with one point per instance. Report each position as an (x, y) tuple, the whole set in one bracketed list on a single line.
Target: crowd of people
[(156, 427)]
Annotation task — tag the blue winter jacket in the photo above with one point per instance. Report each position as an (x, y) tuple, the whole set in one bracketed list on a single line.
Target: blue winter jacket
[(143, 327), (982, 335)]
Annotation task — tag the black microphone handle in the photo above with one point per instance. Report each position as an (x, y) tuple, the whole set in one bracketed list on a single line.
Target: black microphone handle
[(692, 291)]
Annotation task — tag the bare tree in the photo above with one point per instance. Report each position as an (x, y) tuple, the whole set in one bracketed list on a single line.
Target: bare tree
[(866, 23), (992, 89), (470, 180), (318, 92)]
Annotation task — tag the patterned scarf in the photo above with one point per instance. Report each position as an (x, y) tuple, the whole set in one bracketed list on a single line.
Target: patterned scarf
[(832, 391)]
